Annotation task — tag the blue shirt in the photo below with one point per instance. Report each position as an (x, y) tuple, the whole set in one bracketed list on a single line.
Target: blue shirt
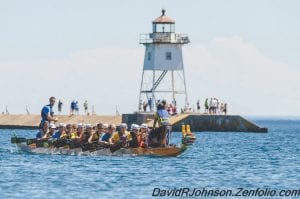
[(40, 134), (163, 116), (46, 109), (56, 135), (105, 137)]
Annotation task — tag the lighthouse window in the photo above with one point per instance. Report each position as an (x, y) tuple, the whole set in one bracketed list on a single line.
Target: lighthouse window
[(168, 55), (149, 56)]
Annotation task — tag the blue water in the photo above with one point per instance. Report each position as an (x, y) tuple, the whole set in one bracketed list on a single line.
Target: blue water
[(216, 160)]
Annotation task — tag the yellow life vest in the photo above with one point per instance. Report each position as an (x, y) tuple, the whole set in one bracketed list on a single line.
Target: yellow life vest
[(74, 135)]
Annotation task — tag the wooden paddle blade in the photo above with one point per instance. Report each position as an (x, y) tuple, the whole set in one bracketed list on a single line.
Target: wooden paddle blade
[(115, 147), (15, 140)]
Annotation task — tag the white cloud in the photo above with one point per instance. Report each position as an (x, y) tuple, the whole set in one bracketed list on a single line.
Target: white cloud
[(236, 71), (228, 68), (105, 77)]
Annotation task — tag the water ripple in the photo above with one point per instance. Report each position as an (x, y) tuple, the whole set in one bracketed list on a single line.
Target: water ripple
[(228, 160)]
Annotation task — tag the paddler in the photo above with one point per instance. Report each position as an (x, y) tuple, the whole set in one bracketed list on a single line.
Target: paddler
[(44, 129), (47, 113), (61, 131), (134, 132), (84, 137), (96, 135), (51, 131), (67, 134), (122, 136), (143, 135), (106, 136)]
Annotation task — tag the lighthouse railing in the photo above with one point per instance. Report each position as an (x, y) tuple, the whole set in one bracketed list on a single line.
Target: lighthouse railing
[(175, 38)]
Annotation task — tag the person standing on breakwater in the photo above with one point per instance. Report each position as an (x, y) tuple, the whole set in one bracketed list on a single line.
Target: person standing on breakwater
[(47, 113), (59, 106), (198, 106), (206, 105), (86, 107)]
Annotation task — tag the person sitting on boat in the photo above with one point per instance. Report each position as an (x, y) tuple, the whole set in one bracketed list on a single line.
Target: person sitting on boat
[(104, 130), (142, 137), (61, 130), (96, 135), (121, 137), (68, 132), (134, 132), (106, 136), (80, 129), (51, 132), (84, 137), (99, 130), (47, 112), (43, 130)]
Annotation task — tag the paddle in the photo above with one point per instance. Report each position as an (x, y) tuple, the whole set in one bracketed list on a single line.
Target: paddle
[(15, 140), (116, 147), (94, 146)]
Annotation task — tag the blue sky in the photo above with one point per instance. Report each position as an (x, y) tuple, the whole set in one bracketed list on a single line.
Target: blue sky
[(255, 44)]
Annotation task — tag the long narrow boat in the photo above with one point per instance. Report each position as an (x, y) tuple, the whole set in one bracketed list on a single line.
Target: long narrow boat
[(23, 146), (72, 147)]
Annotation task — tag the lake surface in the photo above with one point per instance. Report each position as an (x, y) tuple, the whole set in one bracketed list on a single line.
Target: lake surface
[(216, 160)]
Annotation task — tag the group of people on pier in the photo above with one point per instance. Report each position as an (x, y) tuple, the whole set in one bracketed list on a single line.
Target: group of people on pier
[(213, 106)]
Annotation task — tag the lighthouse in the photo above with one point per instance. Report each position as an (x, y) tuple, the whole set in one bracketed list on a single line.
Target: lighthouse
[(163, 74)]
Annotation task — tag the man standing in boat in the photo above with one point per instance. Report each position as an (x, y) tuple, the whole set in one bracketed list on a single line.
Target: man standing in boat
[(47, 112), (161, 117)]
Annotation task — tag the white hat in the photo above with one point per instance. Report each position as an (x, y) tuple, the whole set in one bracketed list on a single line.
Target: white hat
[(80, 125), (144, 126), (135, 127), (123, 125), (52, 126), (88, 126), (113, 126), (105, 126), (62, 125)]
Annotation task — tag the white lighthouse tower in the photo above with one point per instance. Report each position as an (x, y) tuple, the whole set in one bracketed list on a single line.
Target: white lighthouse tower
[(163, 72)]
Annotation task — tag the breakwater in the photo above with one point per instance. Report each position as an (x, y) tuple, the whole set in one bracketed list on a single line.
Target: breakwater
[(200, 122), (33, 121)]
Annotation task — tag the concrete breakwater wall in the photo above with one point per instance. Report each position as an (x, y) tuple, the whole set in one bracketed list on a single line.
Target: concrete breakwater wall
[(200, 122), (32, 121), (219, 123)]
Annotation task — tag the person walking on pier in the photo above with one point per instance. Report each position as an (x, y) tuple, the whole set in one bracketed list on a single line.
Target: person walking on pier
[(47, 113), (86, 107), (206, 105), (198, 106), (150, 103), (59, 106)]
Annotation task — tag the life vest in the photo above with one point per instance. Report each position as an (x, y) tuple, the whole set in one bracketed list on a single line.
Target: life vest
[(86, 136), (163, 117), (134, 142), (96, 136)]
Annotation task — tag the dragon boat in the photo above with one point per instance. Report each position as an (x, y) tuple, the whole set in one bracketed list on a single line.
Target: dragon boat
[(69, 147)]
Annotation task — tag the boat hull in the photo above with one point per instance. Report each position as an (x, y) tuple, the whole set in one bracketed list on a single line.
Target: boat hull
[(168, 151)]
